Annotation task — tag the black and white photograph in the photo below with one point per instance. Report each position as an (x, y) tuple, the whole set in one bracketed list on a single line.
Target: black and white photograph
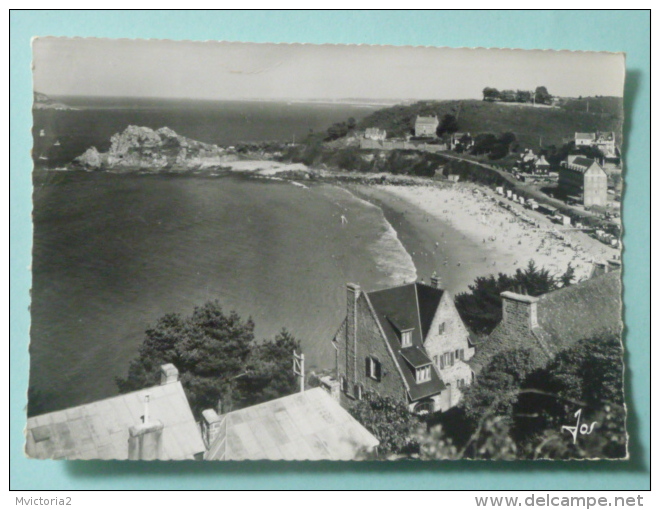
[(251, 251)]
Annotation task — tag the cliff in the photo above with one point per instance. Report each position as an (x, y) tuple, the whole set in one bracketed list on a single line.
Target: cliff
[(142, 148)]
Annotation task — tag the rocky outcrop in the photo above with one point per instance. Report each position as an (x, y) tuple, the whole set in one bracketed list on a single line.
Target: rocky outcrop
[(43, 102), (142, 148)]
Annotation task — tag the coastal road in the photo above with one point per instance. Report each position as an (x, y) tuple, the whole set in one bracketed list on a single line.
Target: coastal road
[(538, 195)]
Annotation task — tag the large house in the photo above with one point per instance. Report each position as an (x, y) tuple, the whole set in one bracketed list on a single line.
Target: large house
[(310, 425), (150, 424), (584, 177), (426, 126), (552, 322), (605, 142), (406, 342)]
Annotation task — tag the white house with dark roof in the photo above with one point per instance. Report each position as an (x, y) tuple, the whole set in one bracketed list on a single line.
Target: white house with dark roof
[(406, 342)]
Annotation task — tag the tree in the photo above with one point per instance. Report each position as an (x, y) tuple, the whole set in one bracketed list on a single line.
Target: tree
[(351, 123), (491, 94), (507, 138), (390, 421), (481, 307), (484, 143), (269, 370), (217, 359), (586, 377), (449, 125), (542, 96), (523, 96), (567, 278), (496, 389)]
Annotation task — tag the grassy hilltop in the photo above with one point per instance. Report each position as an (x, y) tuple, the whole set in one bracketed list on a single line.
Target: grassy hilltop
[(554, 125)]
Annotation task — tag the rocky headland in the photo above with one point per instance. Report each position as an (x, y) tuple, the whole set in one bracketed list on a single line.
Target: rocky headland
[(145, 149), (43, 102)]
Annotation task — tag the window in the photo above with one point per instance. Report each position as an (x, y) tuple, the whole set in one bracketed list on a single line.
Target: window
[(342, 384), (406, 338), (372, 367), (357, 391), (424, 374), (441, 329)]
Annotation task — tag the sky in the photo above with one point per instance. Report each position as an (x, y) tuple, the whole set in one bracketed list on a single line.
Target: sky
[(232, 71)]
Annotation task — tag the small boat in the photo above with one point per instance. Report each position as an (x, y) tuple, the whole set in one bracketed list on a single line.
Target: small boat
[(43, 158), (57, 144), (42, 133)]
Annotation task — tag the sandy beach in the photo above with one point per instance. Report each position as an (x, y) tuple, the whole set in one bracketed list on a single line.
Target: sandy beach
[(461, 231), (462, 234)]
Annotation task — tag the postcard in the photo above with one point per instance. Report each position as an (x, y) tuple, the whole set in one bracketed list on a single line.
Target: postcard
[(325, 252)]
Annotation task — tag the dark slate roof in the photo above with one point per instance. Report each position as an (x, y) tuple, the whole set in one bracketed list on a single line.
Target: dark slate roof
[(412, 304), (581, 164), (581, 161), (587, 309), (415, 356)]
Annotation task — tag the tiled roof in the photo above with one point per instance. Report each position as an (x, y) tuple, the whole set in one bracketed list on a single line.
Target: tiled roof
[(583, 310), (415, 356), (587, 309), (302, 426), (582, 164), (100, 430), (413, 304), (542, 162)]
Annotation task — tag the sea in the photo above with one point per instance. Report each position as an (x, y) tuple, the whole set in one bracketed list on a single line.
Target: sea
[(114, 252)]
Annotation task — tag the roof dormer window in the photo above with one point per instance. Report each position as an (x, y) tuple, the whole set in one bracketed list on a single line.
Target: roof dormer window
[(423, 374), (406, 338)]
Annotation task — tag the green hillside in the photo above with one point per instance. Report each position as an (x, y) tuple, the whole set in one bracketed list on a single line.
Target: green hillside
[(530, 124)]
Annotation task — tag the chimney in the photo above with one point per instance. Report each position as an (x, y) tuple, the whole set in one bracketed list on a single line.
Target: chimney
[(211, 423), (352, 295), (598, 268), (145, 441), (168, 374), (519, 312), (614, 264), (436, 281)]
